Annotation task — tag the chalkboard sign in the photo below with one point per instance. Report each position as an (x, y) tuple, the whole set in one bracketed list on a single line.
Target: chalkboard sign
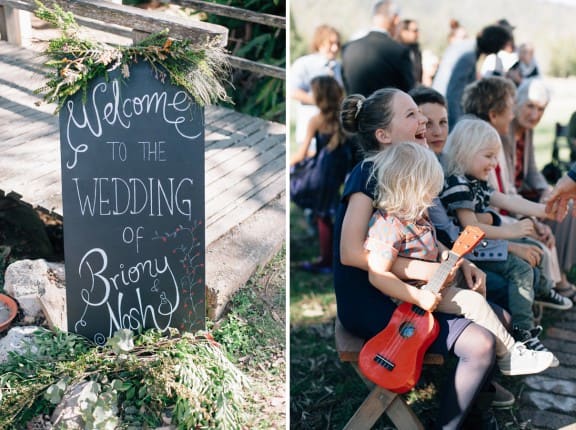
[(133, 201)]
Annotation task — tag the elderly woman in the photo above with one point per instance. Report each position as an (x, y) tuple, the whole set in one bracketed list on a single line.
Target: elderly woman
[(532, 98)]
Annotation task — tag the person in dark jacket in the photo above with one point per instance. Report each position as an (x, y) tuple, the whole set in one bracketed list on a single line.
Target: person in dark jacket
[(377, 60), (466, 69), (408, 34)]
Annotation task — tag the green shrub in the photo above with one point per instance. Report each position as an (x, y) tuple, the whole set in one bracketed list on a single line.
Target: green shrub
[(131, 382), (251, 93), (563, 59)]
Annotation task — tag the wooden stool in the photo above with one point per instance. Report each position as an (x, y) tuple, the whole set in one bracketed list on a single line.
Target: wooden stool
[(379, 400)]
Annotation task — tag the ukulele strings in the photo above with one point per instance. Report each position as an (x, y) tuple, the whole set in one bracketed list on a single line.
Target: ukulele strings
[(395, 342)]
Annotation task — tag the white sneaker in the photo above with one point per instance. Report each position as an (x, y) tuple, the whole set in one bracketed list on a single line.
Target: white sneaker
[(523, 361), (555, 362)]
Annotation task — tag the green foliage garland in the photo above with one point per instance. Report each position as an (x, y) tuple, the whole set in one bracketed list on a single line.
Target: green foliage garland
[(199, 68), (128, 383)]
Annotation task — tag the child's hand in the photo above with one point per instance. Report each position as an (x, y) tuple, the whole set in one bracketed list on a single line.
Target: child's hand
[(428, 300), (474, 277), (555, 215), (522, 228), (454, 271), (531, 253), (544, 234)]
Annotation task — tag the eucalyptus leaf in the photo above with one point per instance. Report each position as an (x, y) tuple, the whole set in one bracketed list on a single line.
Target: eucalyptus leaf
[(122, 341), (54, 393)]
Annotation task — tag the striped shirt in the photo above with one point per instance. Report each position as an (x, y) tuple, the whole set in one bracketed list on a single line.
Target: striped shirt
[(465, 192)]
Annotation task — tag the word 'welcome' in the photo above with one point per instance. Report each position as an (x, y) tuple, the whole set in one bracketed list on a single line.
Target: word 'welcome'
[(108, 106)]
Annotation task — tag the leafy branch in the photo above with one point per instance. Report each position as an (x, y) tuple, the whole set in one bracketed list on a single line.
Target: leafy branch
[(200, 68), (130, 380)]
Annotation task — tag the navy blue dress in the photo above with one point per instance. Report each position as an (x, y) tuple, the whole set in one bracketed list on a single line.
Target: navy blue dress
[(335, 166), (317, 186), (362, 308)]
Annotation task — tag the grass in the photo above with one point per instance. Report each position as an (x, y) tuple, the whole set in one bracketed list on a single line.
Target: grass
[(254, 333), (559, 110), (324, 393)]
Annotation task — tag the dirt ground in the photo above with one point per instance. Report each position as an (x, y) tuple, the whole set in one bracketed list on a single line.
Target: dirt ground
[(29, 233)]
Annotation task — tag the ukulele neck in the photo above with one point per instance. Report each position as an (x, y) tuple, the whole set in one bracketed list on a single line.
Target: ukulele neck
[(439, 278)]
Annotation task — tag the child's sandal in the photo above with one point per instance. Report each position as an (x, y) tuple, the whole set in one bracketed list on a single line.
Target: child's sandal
[(567, 290)]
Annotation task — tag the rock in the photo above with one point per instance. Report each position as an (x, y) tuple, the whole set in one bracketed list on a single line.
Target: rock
[(30, 305), (39, 288), (233, 258), (550, 385), (16, 340), (25, 277), (53, 301), (548, 401)]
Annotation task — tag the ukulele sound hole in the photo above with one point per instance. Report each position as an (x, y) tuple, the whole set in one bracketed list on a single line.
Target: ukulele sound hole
[(407, 330)]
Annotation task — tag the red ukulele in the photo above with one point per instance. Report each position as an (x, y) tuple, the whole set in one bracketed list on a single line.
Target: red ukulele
[(393, 358)]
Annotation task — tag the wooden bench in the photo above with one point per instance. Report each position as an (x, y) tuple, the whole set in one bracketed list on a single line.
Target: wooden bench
[(379, 400)]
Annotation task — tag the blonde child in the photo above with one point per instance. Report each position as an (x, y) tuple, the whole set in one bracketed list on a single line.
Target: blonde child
[(408, 177), (470, 156)]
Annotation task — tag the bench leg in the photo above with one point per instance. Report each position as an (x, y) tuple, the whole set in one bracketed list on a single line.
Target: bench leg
[(381, 401)]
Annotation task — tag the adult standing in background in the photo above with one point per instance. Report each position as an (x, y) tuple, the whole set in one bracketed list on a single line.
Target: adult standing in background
[(466, 69), (459, 42), (376, 60), (325, 47), (457, 32), (499, 63), (526, 67), (572, 136), (507, 55), (408, 34)]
